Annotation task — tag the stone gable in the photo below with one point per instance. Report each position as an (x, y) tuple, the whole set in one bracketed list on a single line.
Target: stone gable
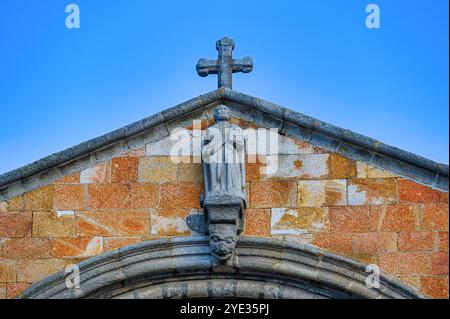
[(133, 191)]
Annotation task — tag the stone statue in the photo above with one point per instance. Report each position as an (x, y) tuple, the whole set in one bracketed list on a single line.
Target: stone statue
[(223, 154), (224, 200)]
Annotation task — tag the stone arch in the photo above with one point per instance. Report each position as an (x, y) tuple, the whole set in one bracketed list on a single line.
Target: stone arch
[(182, 267)]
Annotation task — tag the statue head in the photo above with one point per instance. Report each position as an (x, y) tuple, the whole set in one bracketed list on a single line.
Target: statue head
[(222, 240), (222, 113)]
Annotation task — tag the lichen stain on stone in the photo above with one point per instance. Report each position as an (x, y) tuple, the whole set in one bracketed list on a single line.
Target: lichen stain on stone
[(298, 164), (332, 196)]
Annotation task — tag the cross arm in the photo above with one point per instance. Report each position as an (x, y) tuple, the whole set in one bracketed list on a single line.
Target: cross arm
[(206, 66), (244, 65)]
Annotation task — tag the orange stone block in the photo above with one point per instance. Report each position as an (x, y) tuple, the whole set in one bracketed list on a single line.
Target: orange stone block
[(372, 191), (144, 195), (7, 270), (334, 242), (124, 169), (96, 175), (14, 289), (435, 287), (16, 204), (69, 197), (71, 179), (257, 222), (112, 223), (416, 241), (180, 195), (349, 218), (435, 217), (48, 224), (411, 192), (370, 243), (440, 263), (39, 199), (443, 241), (113, 243), (341, 167), (268, 194), (26, 248), (2, 290), (77, 247), (32, 270), (402, 218), (109, 196), (406, 263), (15, 224)]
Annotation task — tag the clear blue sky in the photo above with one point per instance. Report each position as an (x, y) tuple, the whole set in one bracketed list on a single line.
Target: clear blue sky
[(131, 59)]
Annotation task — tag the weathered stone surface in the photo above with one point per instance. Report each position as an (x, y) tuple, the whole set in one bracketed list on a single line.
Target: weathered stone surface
[(124, 169), (416, 241), (170, 222), (70, 179), (435, 217), (26, 248), (307, 166), (16, 204), (32, 270), (3, 291), (3, 207), (341, 167), (440, 263), (375, 191), (180, 195), (257, 222), (159, 169), (413, 281), (401, 218), (48, 224), (369, 171), (406, 263), (113, 243), (436, 287), (443, 241), (286, 221), (39, 199), (8, 270), (321, 193), (109, 196), (15, 224), (371, 243), (136, 152), (411, 192), (191, 172), (289, 146), (112, 223), (96, 175), (268, 194), (16, 288), (144, 195), (335, 242), (350, 219), (77, 247), (70, 197)]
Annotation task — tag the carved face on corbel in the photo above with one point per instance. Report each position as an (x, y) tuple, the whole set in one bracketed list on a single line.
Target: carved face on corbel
[(222, 240)]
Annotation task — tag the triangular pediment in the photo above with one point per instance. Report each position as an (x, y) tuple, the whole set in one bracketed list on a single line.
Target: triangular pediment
[(154, 131)]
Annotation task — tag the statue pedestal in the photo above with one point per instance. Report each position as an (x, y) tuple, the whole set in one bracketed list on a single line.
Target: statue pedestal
[(224, 221)]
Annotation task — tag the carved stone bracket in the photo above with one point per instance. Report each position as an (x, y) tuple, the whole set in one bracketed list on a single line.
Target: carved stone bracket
[(224, 219)]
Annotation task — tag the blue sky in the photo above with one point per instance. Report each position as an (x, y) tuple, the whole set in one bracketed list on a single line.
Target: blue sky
[(131, 59)]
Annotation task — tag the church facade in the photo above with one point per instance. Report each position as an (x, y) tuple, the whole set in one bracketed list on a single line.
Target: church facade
[(310, 210)]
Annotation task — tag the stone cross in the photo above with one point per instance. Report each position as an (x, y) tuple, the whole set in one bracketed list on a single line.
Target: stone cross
[(225, 65)]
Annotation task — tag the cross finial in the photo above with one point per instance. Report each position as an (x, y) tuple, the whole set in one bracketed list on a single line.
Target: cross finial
[(225, 65)]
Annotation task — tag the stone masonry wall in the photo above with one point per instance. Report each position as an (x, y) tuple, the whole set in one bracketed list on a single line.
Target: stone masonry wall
[(315, 197)]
